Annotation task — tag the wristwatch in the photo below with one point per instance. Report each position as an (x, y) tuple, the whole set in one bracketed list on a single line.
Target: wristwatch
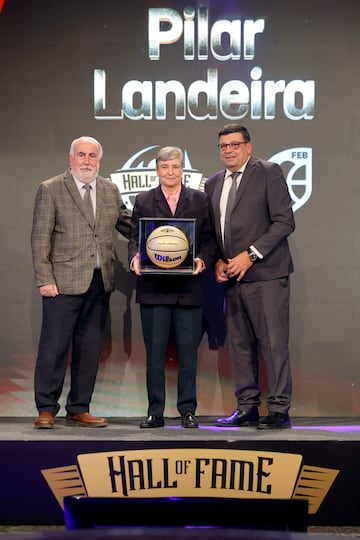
[(252, 255)]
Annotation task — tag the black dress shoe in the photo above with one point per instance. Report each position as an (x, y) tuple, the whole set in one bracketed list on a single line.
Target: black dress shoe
[(240, 418), (275, 420), (153, 421), (189, 421)]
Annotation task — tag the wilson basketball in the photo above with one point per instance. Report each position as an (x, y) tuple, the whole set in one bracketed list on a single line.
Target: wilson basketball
[(167, 246)]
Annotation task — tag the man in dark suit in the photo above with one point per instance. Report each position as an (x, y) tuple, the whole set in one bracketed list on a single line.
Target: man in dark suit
[(74, 259), (254, 263), (172, 304)]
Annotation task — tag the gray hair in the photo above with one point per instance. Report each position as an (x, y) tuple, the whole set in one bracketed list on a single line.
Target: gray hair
[(170, 152), (85, 138)]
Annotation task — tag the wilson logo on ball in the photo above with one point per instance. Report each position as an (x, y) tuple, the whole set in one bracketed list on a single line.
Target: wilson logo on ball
[(167, 246)]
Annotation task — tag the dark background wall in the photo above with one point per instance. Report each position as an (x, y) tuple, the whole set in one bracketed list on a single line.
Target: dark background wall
[(66, 69)]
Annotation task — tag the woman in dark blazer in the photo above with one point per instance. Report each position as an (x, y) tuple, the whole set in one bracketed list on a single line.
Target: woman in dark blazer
[(172, 303)]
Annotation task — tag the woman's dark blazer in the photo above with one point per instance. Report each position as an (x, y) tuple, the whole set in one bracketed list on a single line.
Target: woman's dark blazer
[(173, 289)]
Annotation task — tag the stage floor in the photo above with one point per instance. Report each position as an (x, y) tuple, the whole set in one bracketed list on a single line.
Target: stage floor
[(317, 459), (127, 429)]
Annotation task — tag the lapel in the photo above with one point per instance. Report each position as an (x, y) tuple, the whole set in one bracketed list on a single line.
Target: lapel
[(74, 192), (161, 202), (183, 202), (100, 199), (245, 179), (216, 202)]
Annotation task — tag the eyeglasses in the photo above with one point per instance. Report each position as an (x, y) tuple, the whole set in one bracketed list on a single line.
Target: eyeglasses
[(232, 145)]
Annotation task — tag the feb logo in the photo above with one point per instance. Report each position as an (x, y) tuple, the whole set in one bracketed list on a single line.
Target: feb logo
[(139, 174), (297, 166)]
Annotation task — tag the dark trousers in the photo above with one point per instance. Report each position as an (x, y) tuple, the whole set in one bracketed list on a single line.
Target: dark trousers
[(186, 324), (73, 322), (257, 317)]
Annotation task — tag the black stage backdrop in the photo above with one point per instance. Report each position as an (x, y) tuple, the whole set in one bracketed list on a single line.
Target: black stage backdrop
[(147, 73)]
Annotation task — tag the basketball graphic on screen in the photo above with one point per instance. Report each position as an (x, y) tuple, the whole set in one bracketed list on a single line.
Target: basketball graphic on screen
[(167, 246)]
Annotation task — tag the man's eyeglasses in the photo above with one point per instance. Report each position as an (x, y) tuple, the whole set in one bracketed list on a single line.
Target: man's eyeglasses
[(232, 145)]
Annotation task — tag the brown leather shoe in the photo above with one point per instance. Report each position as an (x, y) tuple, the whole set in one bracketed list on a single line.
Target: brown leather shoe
[(85, 420), (45, 420)]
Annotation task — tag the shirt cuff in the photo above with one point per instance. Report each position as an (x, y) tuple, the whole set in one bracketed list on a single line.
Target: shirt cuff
[(256, 251)]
